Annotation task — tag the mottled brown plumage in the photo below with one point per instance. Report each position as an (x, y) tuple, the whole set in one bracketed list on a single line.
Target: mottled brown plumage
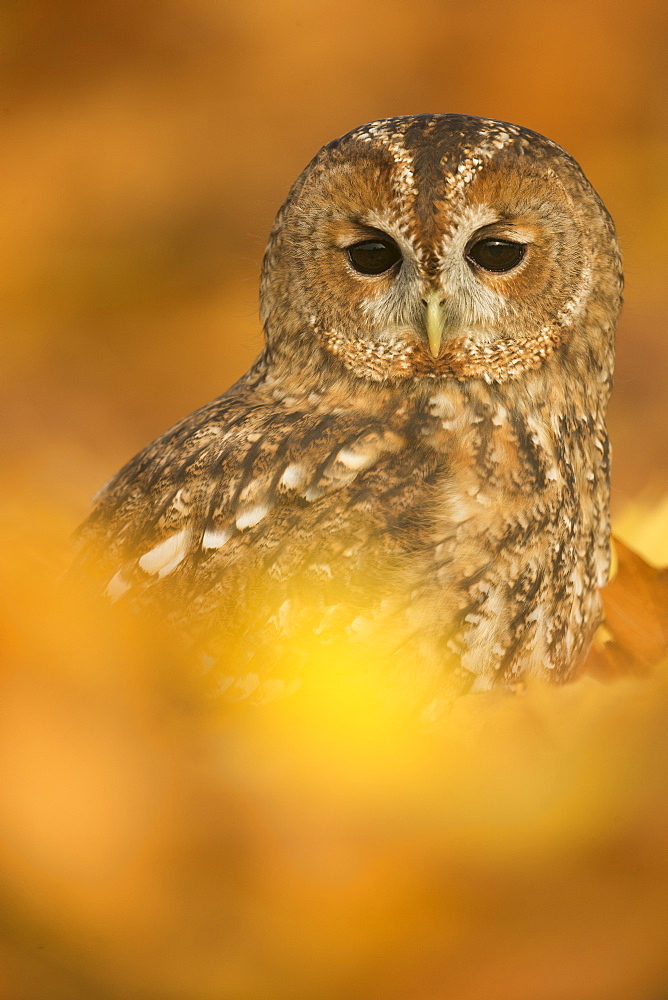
[(448, 513)]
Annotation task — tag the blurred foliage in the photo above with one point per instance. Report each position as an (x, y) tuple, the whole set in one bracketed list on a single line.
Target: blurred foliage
[(156, 845)]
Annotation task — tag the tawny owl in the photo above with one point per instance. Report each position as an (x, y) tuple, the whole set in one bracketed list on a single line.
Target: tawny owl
[(417, 463)]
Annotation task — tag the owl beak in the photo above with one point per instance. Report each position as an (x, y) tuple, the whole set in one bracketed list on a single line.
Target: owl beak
[(434, 321)]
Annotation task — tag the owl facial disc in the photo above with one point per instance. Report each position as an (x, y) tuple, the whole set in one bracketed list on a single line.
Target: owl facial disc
[(439, 247)]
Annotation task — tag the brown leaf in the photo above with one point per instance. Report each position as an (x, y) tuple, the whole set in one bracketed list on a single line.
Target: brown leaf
[(635, 635)]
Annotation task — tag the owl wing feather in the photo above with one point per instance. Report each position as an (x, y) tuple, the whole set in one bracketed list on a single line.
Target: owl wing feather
[(254, 501)]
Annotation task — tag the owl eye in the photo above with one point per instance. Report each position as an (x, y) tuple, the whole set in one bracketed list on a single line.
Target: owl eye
[(374, 256), (496, 255)]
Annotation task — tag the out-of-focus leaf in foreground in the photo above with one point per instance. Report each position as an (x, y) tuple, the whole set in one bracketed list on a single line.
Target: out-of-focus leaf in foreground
[(634, 637), (156, 845)]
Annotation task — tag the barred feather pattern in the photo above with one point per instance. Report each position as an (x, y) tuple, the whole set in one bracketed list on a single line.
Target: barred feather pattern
[(467, 532), (445, 517)]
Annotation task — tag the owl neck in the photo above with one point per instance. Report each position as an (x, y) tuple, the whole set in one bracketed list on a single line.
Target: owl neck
[(571, 380), (541, 434)]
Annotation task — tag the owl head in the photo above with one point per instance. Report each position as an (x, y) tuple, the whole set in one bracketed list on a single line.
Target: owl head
[(442, 247)]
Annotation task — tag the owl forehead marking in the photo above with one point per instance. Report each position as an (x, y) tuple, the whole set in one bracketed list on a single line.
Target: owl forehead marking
[(432, 169), (390, 135)]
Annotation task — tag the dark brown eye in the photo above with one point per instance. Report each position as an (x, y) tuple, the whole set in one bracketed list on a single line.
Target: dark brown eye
[(496, 255), (374, 256)]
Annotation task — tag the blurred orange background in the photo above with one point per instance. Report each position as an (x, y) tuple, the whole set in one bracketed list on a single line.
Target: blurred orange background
[(146, 148), (153, 847)]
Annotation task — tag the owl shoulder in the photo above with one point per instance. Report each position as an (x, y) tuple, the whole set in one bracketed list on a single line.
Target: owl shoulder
[(225, 469)]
